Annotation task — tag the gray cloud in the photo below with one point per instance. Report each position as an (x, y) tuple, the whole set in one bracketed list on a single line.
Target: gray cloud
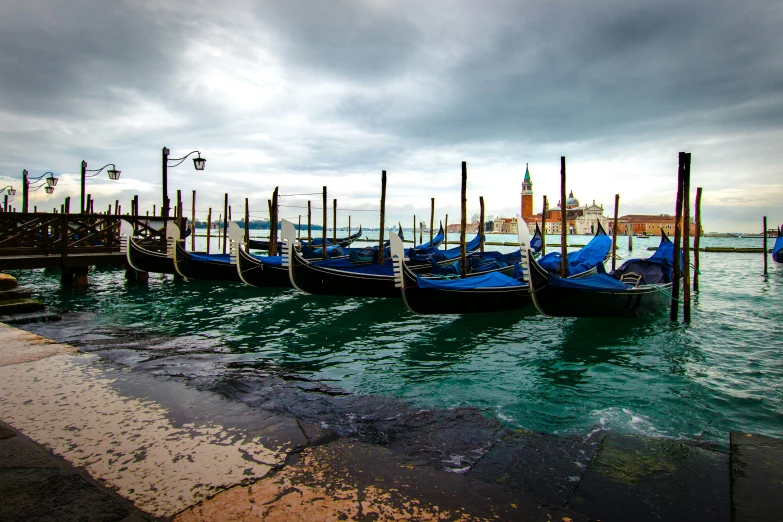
[(308, 93)]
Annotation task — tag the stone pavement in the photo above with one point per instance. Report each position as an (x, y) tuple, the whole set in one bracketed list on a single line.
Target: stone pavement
[(146, 438)]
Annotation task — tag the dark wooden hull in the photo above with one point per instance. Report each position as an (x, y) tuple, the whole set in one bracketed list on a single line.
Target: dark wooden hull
[(146, 260), (187, 266), (439, 301), (256, 273), (318, 280), (571, 302)]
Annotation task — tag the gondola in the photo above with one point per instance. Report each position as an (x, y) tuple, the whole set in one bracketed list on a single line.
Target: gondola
[(338, 277), (145, 258), (639, 286), (777, 249), (595, 252), (346, 241), (493, 292), (263, 244), (200, 265), (256, 270)]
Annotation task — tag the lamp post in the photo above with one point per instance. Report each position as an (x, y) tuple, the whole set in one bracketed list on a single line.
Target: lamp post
[(11, 191), (113, 173), (49, 185), (199, 163)]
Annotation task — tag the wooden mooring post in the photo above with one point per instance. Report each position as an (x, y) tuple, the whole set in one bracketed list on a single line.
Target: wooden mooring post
[(686, 239), (614, 230), (446, 233), (463, 227), (383, 218), (309, 221), (247, 223), (225, 220), (696, 241), (334, 221), (674, 312), (273, 223), (414, 230), (323, 221), (481, 223), (209, 227), (543, 225), (764, 232), (563, 220), (193, 224), (432, 219), (349, 228)]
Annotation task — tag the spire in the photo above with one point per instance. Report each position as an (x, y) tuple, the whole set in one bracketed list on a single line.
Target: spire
[(527, 173)]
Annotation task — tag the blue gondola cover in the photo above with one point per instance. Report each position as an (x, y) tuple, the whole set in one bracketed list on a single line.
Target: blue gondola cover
[(493, 280)]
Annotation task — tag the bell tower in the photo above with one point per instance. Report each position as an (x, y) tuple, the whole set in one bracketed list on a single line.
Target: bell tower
[(527, 194)]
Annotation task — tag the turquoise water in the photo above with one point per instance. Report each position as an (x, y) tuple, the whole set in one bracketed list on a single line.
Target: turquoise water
[(566, 376)]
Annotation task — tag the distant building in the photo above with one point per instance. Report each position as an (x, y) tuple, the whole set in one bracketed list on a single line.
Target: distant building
[(503, 225), (527, 195), (648, 224)]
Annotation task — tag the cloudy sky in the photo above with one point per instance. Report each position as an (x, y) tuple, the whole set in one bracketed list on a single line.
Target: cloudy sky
[(304, 93)]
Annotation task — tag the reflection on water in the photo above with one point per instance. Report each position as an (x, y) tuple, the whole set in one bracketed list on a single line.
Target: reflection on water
[(647, 375)]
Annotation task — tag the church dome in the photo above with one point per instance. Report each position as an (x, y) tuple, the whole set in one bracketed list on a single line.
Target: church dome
[(572, 201)]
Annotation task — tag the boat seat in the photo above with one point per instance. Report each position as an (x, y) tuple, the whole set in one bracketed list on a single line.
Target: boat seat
[(632, 278)]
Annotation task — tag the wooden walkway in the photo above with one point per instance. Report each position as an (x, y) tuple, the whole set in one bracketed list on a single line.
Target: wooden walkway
[(66, 241)]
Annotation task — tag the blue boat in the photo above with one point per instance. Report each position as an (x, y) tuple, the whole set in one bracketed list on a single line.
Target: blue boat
[(639, 286), (777, 249), (492, 291)]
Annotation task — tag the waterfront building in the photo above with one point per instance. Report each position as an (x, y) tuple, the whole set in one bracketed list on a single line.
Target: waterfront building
[(649, 224)]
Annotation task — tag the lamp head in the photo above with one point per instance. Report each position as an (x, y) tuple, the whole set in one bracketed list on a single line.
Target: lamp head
[(199, 162), (114, 174), (11, 191), (51, 181), (49, 189)]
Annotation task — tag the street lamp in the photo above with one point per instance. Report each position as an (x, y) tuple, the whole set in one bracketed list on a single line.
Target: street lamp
[(11, 190), (48, 186), (113, 173), (199, 163)]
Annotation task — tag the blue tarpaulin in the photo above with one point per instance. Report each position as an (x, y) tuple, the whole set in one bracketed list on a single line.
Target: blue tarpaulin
[(583, 259), (269, 260), (593, 283), (213, 258), (493, 280), (777, 250)]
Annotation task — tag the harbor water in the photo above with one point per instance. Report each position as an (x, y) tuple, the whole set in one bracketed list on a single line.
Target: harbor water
[(562, 376)]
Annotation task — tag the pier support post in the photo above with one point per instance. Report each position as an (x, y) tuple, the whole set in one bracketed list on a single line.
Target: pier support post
[(66, 279), (80, 277), (225, 221), (334, 221)]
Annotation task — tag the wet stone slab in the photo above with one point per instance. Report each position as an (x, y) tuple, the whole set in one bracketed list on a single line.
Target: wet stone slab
[(348, 480), (36, 485), (756, 477), (646, 479), (545, 466)]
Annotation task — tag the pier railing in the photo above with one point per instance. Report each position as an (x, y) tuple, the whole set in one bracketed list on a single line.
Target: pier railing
[(26, 237)]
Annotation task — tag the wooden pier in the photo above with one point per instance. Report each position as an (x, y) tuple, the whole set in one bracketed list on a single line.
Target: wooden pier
[(70, 242)]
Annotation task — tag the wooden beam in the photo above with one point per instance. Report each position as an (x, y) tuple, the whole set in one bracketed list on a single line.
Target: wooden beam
[(674, 312), (686, 240), (563, 220), (432, 219), (614, 230), (543, 226), (323, 234), (696, 241), (383, 218), (463, 259)]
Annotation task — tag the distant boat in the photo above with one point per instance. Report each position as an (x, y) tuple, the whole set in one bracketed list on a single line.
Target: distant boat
[(641, 235), (777, 249)]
